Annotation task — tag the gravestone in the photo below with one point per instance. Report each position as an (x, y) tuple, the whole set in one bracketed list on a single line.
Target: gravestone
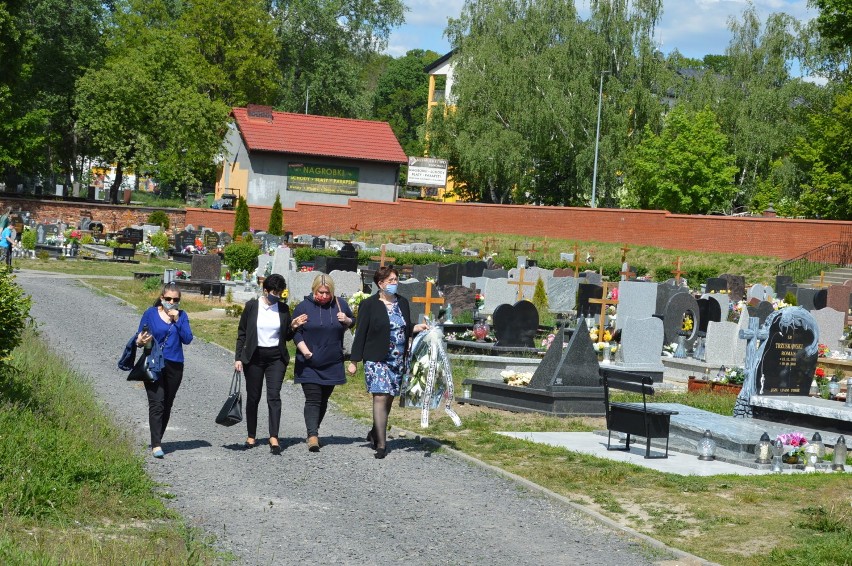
[(346, 283), (131, 236), (413, 288), (225, 238), (498, 292), (318, 243), (788, 357), (282, 261), (97, 229), (722, 344), (760, 292), (838, 297), (563, 272), (498, 273), (636, 299), (641, 344), (566, 257), (397, 248), (592, 277), (299, 283), (709, 310), (462, 299), (41, 234), (426, 271), (211, 240), (761, 310), (808, 298), (665, 291), (575, 365), (207, 267), (742, 325), (264, 262), (516, 325), (680, 304), (421, 248), (183, 239), (562, 294), (449, 274), (782, 282), (716, 285), (736, 286), (830, 323), (473, 268), (724, 303), (477, 282), (586, 291), (348, 250)]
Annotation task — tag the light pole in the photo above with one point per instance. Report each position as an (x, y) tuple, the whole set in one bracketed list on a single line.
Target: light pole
[(597, 142)]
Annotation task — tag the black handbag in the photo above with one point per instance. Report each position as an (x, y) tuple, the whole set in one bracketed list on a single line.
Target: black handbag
[(140, 369), (232, 411)]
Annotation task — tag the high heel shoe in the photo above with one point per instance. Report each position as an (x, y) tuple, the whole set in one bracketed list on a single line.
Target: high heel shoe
[(371, 438), (380, 453)]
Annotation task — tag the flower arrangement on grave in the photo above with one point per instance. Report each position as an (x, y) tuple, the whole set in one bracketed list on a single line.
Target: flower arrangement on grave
[(687, 323), (732, 375), (73, 236), (594, 334), (794, 446), (195, 249), (779, 304), (669, 349), (180, 274), (545, 343), (52, 240), (479, 300), (145, 248), (823, 351), (306, 268), (516, 378)]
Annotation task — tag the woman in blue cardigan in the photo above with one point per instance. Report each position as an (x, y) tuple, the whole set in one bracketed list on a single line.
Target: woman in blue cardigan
[(169, 326), (319, 351), (381, 341)]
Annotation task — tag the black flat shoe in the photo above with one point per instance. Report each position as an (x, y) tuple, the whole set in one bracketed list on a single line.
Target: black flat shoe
[(380, 453), (275, 449), (371, 438), (249, 445)]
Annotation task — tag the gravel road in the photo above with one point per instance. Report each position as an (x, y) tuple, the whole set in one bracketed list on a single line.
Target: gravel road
[(340, 506)]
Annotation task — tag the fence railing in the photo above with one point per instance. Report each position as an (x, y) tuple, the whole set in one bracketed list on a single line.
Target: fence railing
[(824, 258)]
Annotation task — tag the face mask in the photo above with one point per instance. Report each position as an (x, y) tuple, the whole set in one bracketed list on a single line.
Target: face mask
[(391, 289), (322, 299), (272, 299), (168, 306)]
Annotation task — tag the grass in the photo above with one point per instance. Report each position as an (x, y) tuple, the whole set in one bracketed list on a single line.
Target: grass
[(733, 520), (73, 489)]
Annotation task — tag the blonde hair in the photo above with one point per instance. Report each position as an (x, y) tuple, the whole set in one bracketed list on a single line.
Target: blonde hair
[(323, 280)]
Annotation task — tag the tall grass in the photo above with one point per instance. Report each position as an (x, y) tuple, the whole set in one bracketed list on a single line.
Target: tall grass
[(71, 482)]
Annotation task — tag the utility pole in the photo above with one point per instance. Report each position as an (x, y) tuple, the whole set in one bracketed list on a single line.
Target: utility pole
[(597, 143)]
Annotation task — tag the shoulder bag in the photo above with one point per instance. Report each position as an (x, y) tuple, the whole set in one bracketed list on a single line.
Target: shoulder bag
[(231, 412)]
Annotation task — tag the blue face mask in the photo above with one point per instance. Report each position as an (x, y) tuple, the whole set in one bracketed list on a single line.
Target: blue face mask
[(272, 299), (391, 289)]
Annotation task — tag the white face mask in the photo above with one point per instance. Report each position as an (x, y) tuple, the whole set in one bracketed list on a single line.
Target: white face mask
[(167, 306)]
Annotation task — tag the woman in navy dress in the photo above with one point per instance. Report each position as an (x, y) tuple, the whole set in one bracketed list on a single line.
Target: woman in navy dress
[(381, 342)]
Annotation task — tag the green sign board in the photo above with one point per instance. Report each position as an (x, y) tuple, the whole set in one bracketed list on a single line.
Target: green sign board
[(312, 178)]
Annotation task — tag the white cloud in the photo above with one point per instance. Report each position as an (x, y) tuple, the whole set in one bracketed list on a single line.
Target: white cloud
[(432, 12)]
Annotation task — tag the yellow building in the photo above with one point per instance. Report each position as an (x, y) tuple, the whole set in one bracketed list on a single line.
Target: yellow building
[(440, 92)]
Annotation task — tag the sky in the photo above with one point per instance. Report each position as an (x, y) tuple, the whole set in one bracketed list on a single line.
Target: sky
[(695, 27)]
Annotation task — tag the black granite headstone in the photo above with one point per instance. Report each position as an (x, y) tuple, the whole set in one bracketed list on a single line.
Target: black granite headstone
[(716, 285), (449, 274), (211, 240), (821, 299), (786, 366), (318, 244), (462, 299), (473, 268), (585, 292), (572, 366), (415, 289), (665, 291), (761, 310), (225, 238), (679, 305), (348, 250), (736, 286), (426, 271), (709, 309), (782, 283), (516, 325), (498, 273), (183, 239)]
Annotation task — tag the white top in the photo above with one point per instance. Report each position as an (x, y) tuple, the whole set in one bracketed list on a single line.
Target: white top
[(268, 324)]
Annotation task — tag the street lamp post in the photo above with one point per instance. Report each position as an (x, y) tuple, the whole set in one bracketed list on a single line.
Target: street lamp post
[(597, 142)]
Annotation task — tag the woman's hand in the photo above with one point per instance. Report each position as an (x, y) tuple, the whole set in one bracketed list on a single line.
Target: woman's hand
[(421, 327), (299, 321), (343, 319), (174, 314), (143, 338), (351, 368), (238, 366)]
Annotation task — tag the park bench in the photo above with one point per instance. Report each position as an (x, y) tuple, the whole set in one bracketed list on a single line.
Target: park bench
[(634, 418)]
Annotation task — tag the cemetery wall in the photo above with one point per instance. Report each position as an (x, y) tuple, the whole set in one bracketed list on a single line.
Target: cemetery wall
[(113, 217), (779, 237)]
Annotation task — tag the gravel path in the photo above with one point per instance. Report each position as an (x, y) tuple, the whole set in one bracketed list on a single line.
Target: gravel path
[(339, 506)]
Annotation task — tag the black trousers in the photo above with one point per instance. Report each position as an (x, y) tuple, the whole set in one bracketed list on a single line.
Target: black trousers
[(161, 397), (8, 255), (266, 363), (316, 403)]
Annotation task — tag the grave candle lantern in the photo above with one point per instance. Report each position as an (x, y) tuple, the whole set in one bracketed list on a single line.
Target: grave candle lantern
[(707, 447), (839, 460), (763, 450), (777, 455), (816, 440), (811, 457)]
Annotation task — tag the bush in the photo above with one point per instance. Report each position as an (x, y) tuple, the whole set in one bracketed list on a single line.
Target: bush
[(159, 218), (29, 239), (87, 239), (234, 310), (276, 218), (42, 255), (14, 314), (791, 299), (152, 284), (160, 240), (241, 218), (241, 256)]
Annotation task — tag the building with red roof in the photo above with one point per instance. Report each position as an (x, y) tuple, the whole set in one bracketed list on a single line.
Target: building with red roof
[(305, 158)]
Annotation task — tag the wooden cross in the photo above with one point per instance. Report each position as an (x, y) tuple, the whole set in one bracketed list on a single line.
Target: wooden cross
[(521, 283), (626, 274), (545, 245), (532, 249), (677, 271), (383, 258), (403, 236), (354, 229), (624, 250), (428, 300), (604, 303), (515, 248), (822, 284), (488, 243), (577, 263)]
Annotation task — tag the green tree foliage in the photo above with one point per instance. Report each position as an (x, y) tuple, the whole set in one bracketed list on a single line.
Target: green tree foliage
[(14, 313), (241, 218), (540, 296), (828, 39), (322, 47), (276, 218), (526, 91), (241, 256), (686, 168), (159, 218), (823, 155), (834, 22), (401, 98)]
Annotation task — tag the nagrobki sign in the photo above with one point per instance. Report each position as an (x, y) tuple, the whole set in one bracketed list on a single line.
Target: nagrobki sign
[(427, 172), (313, 178)]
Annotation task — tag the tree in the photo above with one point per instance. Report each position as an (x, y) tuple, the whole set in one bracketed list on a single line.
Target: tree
[(401, 98), (276, 218), (834, 22), (686, 168), (828, 39), (540, 296), (241, 218)]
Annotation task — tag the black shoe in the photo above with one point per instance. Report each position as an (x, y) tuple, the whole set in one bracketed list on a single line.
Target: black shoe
[(275, 449), (249, 445), (380, 453), (371, 438)]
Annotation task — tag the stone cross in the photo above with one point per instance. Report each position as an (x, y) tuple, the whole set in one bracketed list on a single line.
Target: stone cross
[(753, 336), (604, 302), (677, 271), (520, 283), (822, 284), (428, 300), (383, 258)]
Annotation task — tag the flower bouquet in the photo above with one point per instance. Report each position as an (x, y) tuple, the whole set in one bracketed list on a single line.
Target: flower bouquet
[(516, 378), (353, 302), (794, 446)]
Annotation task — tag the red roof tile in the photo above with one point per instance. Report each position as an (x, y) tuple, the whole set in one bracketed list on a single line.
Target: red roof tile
[(304, 134)]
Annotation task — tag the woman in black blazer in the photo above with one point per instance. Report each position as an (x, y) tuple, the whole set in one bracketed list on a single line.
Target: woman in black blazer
[(381, 342), (261, 352)]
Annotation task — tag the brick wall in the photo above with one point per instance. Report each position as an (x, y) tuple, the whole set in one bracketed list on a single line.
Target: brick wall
[(779, 237)]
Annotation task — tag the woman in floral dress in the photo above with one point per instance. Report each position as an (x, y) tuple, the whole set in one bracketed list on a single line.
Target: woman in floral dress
[(381, 342)]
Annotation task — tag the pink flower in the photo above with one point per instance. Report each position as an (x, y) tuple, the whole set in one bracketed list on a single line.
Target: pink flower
[(796, 439)]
